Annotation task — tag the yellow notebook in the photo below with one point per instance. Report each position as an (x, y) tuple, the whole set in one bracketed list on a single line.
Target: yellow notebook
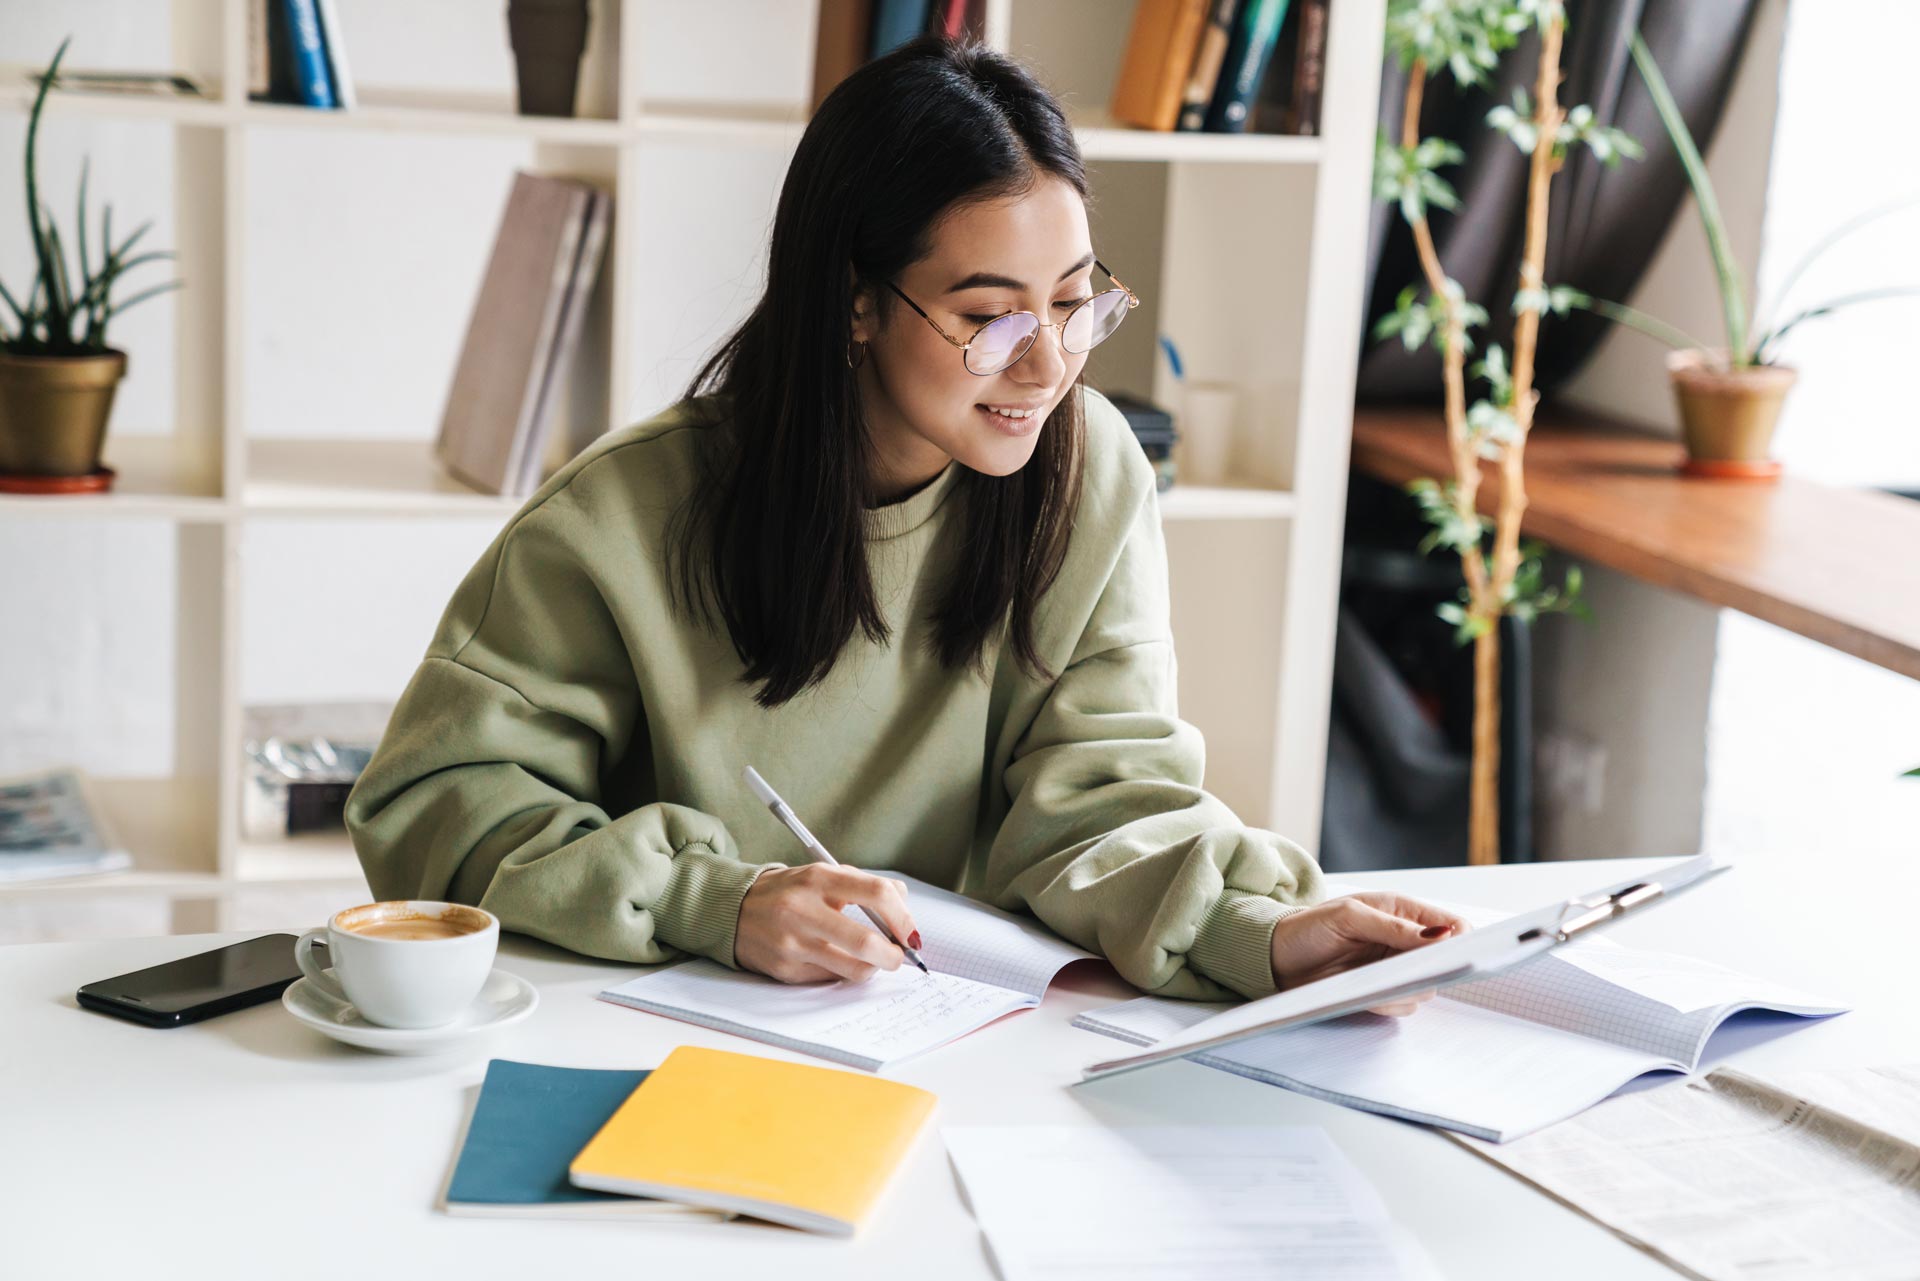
[(806, 1146)]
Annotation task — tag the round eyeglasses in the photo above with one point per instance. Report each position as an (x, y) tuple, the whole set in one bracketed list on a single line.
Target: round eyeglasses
[(1001, 342)]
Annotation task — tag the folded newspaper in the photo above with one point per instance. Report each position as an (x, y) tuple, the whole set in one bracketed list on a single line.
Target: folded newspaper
[(1731, 1177), (49, 827)]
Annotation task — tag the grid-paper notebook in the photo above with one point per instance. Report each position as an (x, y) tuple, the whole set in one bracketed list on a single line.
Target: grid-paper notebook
[(1499, 1057), (984, 963)]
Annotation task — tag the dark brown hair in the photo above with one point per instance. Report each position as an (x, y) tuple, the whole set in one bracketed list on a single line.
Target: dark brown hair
[(773, 537)]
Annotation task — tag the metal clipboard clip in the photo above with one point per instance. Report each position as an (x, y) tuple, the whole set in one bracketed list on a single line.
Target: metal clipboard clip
[(1582, 914)]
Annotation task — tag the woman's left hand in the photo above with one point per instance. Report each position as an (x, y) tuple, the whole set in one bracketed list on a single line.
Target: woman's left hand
[(1357, 929)]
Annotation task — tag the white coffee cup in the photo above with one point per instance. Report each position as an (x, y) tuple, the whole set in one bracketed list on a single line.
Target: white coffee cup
[(405, 964)]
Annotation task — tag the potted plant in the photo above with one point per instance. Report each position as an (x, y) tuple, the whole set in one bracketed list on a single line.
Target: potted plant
[(57, 373), (1729, 397)]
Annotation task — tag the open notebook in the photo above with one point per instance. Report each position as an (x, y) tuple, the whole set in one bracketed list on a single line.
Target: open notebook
[(1496, 1058), (984, 963)]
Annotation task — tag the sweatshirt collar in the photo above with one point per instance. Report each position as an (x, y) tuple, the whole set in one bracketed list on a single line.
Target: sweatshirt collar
[(894, 519)]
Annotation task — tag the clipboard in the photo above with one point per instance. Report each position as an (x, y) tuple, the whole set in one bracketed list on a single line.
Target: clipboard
[(1480, 953)]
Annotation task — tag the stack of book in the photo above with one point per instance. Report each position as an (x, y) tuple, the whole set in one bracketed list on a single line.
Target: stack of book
[(1224, 66), (521, 337), (1218, 66), (706, 1135), (295, 54), (852, 32)]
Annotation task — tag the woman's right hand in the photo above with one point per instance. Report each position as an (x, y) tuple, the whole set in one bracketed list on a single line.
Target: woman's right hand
[(791, 927)]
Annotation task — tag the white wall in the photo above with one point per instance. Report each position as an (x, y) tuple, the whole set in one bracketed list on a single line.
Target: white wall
[(1806, 744)]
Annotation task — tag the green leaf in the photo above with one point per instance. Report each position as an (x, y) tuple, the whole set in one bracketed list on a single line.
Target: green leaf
[(1732, 293)]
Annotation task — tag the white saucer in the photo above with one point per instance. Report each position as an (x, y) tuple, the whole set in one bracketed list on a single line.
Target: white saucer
[(504, 1000)]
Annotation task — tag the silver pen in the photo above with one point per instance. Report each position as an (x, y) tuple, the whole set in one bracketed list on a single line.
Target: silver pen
[(784, 812)]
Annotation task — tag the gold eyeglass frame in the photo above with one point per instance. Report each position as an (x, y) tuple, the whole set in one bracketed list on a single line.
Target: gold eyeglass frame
[(1133, 300)]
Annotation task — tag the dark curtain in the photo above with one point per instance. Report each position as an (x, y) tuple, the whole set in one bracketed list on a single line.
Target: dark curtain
[(1604, 224)]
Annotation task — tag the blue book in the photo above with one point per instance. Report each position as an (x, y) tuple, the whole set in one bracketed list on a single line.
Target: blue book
[(1256, 30), (309, 54), (529, 1124), (895, 22)]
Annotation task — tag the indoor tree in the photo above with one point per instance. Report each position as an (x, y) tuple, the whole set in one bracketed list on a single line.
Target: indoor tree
[(1464, 40)]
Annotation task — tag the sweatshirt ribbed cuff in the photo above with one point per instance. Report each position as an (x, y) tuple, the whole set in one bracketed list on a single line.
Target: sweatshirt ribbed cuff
[(1234, 946), (700, 908)]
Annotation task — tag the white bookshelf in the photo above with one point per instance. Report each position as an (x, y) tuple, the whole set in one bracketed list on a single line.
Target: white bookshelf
[(1247, 249)]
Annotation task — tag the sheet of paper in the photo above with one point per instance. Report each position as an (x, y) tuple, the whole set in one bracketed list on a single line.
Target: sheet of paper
[(984, 963), (1685, 983), (1176, 1203), (1730, 1179), (983, 943), (891, 1016)]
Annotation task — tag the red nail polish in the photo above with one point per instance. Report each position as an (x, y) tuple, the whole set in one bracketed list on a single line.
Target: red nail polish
[(1434, 931), (913, 940)]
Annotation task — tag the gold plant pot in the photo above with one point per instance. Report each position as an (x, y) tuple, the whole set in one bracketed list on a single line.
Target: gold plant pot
[(1727, 415), (54, 411)]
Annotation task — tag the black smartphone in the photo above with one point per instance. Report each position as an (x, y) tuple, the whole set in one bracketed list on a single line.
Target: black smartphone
[(198, 987)]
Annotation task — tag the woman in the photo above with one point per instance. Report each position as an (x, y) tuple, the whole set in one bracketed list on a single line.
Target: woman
[(891, 554)]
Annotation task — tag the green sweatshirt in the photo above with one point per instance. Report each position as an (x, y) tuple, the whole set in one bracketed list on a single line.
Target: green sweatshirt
[(568, 754)]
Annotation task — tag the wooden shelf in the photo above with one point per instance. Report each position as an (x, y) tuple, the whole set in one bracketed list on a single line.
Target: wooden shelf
[(1226, 502), (419, 111), (318, 858), (358, 477), (154, 478), (154, 818), (1101, 138), (17, 93), (1833, 564), (1193, 221), (402, 110)]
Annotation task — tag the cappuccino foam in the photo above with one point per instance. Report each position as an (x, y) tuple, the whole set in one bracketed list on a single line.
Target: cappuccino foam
[(411, 927)]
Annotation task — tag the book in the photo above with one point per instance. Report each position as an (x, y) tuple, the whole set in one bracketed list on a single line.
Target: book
[(810, 1147), (272, 55), (1160, 51), (841, 39), (573, 310), (1309, 69), (309, 53), (259, 50), (1204, 74), (895, 22), (1495, 1058), (1256, 29), (529, 1122), (984, 963), (948, 18), (492, 420), (337, 74), (51, 826)]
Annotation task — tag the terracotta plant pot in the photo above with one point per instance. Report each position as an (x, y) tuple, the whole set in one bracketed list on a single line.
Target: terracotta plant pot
[(1727, 415), (548, 37), (54, 411)]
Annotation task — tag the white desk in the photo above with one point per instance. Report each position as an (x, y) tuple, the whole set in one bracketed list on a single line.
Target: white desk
[(249, 1146)]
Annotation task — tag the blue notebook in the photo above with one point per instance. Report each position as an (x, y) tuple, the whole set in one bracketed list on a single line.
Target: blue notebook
[(530, 1122)]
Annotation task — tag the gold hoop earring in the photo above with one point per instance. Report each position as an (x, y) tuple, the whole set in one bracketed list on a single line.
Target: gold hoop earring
[(852, 361)]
